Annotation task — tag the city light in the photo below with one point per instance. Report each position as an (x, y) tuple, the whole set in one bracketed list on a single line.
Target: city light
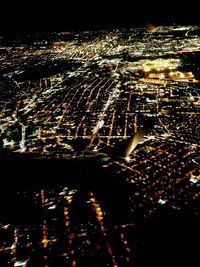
[(106, 123)]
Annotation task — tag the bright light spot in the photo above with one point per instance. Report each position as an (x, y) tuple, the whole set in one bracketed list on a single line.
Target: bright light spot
[(52, 207), (21, 263), (162, 201), (193, 180), (128, 159)]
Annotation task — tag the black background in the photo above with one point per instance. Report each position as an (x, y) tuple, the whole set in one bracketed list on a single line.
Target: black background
[(18, 16)]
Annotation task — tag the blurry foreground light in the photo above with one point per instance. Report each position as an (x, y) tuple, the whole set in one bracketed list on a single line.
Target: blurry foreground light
[(128, 159)]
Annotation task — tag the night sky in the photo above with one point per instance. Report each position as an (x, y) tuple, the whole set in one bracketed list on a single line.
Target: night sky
[(17, 16)]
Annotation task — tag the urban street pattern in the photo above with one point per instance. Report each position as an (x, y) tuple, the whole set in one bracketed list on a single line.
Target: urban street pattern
[(76, 96)]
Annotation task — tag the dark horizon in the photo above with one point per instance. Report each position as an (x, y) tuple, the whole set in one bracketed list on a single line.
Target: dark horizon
[(63, 16)]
